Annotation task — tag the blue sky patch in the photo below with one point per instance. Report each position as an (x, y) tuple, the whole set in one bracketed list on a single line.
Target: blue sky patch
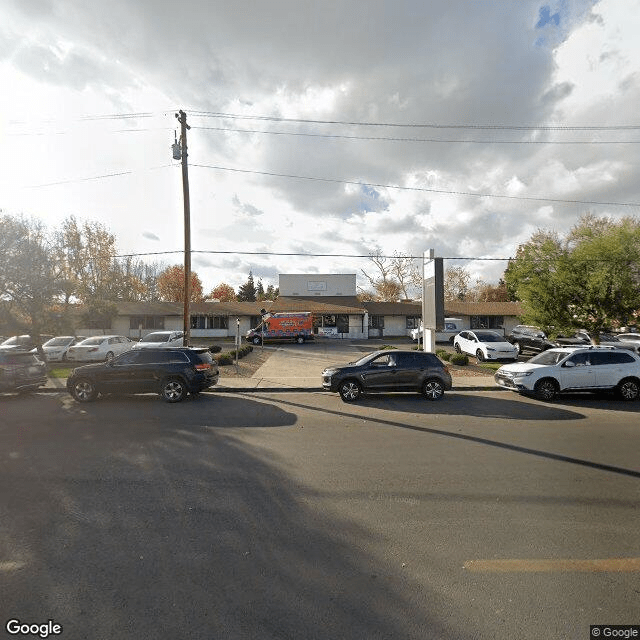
[(546, 17)]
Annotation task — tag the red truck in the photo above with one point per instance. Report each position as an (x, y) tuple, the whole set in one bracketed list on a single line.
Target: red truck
[(283, 326)]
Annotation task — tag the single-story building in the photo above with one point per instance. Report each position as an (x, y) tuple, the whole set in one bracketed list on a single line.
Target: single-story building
[(333, 316), (331, 298)]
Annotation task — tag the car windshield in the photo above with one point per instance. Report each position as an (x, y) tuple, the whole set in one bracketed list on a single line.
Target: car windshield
[(366, 359), (156, 337), (16, 340), (58, 342), (488, 336), (549, 357), (91, 341)]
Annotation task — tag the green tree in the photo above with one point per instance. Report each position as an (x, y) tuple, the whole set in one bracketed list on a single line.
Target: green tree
[(589, 280), (260, 293), (29, 283), (247, 291)]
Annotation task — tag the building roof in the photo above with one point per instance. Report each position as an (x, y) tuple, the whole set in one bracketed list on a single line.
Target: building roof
[(393, 308), (319, 304), (453, 309)]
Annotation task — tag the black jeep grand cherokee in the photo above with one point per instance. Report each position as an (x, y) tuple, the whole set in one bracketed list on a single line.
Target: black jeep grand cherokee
[(170, 372)]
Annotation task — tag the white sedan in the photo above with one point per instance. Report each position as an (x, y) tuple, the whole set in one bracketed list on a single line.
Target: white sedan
[(161, 340), (485, 345), (99, 348), (56, 349)]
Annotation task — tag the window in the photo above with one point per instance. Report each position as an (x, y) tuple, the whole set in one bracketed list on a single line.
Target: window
[(602, 357), (146, 322), (376, 322), (255, 321), (209, 322), (487, 322), (413, 322)]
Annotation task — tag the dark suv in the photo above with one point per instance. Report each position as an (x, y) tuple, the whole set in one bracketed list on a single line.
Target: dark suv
[(527, 338), (170, 372), (21, 371), (389, 370)]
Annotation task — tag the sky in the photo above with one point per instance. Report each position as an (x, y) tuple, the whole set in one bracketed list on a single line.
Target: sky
[(326, 129)]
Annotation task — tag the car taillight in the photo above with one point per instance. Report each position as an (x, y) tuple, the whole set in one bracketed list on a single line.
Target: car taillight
[(202, 367), (446, 369)]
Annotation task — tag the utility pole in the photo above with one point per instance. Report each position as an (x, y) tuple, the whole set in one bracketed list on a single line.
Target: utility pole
[(182, 152)]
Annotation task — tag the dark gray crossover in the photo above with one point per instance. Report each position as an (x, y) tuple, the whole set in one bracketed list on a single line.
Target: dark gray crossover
[(389, 370), (172, 373)]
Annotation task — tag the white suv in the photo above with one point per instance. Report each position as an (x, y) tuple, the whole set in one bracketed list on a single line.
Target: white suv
[(562, 369)]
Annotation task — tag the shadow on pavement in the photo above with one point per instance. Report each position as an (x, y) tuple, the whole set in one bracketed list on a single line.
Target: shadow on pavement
[(352, 412), (184, 531)]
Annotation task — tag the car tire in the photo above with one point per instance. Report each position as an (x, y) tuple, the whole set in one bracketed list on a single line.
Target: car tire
[(109, 357), (173, 390), (628, 389), (518, 346), (480, 356), (300, 339), (349, 390), (256, 340), (433, 389), (546, 389), (457, 347), (83, 390)]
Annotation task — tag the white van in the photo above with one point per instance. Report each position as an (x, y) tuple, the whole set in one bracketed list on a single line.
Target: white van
[(452, 327)]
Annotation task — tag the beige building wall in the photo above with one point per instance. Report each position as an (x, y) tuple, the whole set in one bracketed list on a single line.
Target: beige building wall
[(320, 285)]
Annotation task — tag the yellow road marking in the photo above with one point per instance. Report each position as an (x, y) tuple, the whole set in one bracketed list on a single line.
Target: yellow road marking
[(548, 566)]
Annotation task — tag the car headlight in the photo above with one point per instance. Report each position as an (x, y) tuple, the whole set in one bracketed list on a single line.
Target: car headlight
[(490, 349), (522, 374)]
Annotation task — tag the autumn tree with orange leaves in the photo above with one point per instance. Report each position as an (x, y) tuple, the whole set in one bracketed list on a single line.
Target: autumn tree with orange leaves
[(223, 292), (171, 285)]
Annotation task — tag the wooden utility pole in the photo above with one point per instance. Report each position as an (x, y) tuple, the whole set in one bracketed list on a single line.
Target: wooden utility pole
[(182, 118)]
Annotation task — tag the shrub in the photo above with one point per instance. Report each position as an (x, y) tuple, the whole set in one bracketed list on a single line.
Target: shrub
[(446, 356), (216, 348), (387, 346), (459, 359), (225, 358)]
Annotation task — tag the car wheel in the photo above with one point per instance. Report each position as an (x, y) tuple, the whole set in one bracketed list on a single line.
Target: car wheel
[(629, 389), (256, 340), (300, 339), (109, 357), (433, 389), (83, 390), (349, 390), (457, 346), (479, 355), (173, 390), (518, 346), (546, 389)]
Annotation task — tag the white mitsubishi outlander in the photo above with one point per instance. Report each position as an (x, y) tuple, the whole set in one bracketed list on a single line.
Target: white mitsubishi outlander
[(557, 370)]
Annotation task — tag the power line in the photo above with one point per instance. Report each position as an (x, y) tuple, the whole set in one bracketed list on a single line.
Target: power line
[(358, 255), (391, 139), (90, 178), (419, 189), (488, 127)]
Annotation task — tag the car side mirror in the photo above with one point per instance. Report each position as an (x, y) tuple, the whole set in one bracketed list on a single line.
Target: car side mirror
[(569, 364)]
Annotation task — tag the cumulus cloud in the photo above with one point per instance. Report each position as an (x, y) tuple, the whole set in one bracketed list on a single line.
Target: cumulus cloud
[(361, 103)]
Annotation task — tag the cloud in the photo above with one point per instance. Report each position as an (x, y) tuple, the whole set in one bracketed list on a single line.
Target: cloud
[(150, 236)]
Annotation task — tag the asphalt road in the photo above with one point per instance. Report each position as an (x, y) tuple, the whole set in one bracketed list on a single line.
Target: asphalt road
[(483, 515)]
